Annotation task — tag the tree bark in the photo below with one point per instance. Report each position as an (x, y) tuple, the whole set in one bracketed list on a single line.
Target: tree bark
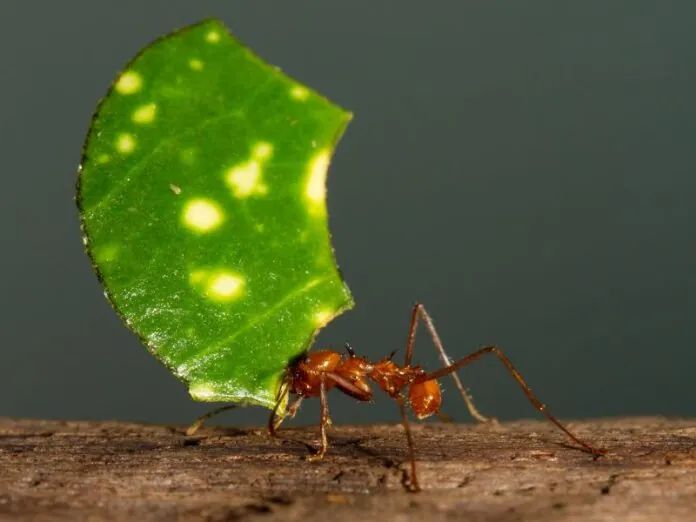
[(54, 470)]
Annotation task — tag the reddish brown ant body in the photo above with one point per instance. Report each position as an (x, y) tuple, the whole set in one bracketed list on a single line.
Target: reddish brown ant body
[(318, 372), (351, 374)]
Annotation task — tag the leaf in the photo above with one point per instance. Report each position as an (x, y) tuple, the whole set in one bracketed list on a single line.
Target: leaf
[(202, 203)]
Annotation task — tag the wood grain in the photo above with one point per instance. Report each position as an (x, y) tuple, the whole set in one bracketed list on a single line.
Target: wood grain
[(53, 470)]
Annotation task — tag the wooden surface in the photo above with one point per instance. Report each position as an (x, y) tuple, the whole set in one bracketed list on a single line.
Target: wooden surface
[(52, 470)]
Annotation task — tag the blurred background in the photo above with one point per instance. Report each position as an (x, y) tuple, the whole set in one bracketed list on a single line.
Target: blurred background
[(527, 172)]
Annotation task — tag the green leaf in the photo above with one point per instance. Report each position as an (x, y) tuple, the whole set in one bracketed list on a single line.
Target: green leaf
[(203, 208)]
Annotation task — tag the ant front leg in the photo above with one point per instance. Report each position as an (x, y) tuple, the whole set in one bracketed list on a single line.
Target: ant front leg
[(541, 407), (276, 420), (198, 423), (417, 312), (346, 387)]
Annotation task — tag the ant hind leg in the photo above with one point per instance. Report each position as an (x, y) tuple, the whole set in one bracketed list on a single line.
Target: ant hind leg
[(417, 312), (538, 405), (414, 486)]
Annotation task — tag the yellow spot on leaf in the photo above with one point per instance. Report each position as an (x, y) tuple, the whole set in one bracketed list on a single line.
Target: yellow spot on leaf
[(125, 143), (106, 253), (245, 179), (322, 317), (315, 188), (176, 189), (129, 83), (212, 37), (299, 93), (262, 151), (103, 158), (145, 114), (202, 215), (225, 286), (196, 64), (203, 391)]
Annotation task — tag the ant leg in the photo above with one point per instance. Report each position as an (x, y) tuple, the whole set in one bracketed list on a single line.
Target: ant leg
[(415, 486), (323, 423), (420, 311), (541, 407), (276, 420), (344, 385), (198, 423)]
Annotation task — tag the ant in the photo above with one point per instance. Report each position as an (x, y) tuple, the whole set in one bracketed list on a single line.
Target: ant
[(317, 372)]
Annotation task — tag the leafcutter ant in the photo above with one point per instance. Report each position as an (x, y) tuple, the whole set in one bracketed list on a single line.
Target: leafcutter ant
[(410, 386)]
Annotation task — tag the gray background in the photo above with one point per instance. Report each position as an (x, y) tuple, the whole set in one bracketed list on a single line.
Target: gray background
[(525, 170)]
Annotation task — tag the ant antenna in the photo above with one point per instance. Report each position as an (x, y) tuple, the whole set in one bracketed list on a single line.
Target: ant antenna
[(350, 350)]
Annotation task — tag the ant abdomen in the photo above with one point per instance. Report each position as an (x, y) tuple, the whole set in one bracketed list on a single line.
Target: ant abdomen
[(424, 398)]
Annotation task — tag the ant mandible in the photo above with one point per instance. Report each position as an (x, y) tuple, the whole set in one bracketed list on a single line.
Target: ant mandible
[(317, 372)]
